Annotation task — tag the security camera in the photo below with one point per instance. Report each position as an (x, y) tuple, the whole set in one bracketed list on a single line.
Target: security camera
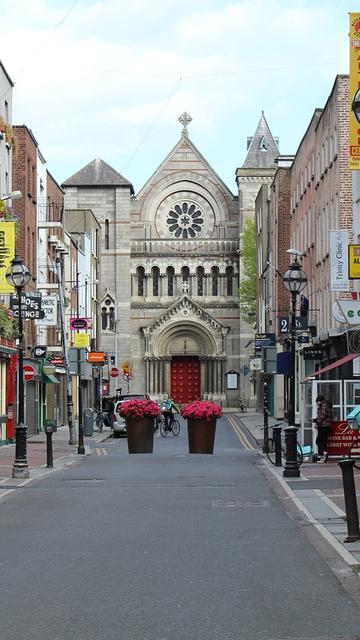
[(295, 252)]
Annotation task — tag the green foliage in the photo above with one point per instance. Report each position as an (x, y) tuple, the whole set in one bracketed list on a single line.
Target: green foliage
[(7, 324), (247, 290)]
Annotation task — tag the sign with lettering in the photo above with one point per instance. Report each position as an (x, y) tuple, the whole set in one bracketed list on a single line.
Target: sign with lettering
[(49, 308), (301, 324), (354, 261), (81, 340), (341, 438), (265, 339), (311, 353), (30, 305), (7, 252), (339, 242), (350, 310), (354, 84)]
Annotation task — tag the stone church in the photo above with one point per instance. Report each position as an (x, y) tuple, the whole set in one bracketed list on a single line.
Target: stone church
[(170, 270)]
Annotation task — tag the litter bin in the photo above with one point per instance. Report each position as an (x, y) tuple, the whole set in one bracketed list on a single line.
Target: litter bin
[(88, 422)]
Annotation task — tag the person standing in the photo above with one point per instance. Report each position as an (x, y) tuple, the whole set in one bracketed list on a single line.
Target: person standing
[(323, 422)]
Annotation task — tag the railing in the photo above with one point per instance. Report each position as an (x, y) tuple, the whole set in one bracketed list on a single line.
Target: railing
[(192, 247)]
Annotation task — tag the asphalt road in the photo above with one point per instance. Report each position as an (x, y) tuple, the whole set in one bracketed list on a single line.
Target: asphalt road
[(165, 546)]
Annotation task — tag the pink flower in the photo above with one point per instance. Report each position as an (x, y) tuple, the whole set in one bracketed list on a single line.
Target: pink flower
[(139, 409), (201, 410)]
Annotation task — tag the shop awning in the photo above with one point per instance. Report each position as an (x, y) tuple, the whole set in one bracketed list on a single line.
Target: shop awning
[(48, 378), (333, 365)]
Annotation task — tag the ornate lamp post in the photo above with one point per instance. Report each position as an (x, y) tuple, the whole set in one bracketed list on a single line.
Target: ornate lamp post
[(294, 280), (17, 276)]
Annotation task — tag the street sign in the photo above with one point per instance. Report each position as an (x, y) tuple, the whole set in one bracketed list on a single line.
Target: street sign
[(40, 351), (265, 339), (78, 323), (301, 322), (127, 377), (96, 357), (303, 339), (29, 372), (114, 372)]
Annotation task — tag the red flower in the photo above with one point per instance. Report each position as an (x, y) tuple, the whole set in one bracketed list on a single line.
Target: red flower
[(139, 409), (201, 410)]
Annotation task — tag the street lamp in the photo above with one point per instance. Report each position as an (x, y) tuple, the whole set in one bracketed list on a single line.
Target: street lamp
[(294, 280), (17, 276), (14, 195)]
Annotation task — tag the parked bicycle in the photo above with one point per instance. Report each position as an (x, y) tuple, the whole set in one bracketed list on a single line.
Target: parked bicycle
[(270, 447), (242, 406), (171, 427)]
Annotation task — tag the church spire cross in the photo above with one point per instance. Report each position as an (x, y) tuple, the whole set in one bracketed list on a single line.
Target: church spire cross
[(185, 119)]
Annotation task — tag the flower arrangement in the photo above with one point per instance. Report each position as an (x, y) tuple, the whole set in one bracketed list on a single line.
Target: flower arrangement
[(201, 410), (139, 409)]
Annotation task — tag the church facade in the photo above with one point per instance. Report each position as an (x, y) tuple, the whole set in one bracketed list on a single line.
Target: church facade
[(169, 273)]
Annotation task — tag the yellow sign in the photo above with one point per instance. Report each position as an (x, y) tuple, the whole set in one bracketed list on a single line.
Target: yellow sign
[(354, 92), (7, 252), (354, 261), (81, 340)]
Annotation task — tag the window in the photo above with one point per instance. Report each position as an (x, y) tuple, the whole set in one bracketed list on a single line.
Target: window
[(229, 280), (106, 232), (185, 277), (215, 281), (200, 273), (140, 273), (155, 280), (170, 274), (108, 314)]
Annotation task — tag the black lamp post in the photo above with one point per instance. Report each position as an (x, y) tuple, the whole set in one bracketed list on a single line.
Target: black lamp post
[(17, 276), (294, 280)]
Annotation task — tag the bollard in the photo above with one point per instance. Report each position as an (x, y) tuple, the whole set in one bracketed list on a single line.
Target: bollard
[(352, 516), (291, 469), (49, 449), (277, 443)]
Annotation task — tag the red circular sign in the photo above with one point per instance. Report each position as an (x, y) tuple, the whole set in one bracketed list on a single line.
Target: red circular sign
[(114, 372), (29, 372)]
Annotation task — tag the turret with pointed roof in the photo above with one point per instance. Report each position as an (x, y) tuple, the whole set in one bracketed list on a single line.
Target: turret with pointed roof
[(262, 147)]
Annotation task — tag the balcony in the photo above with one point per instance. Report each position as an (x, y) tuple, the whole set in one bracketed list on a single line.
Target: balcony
[(173, 247)]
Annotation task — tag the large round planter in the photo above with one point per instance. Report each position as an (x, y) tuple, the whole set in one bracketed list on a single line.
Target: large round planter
[(140, 434), (201, 435)]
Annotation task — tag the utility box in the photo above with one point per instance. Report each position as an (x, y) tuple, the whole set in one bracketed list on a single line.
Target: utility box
[(88, 422)]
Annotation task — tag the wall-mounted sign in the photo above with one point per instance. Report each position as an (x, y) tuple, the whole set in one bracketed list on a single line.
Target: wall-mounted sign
[(49, 309), (30, 305), (255, 364), (339, 242), (7, 252), (40, 351), (78, 323), (81, 340), (350, 310), (354, 261), (232, 379), (354, 84), (96, 357), (265, 339), (312, 353)]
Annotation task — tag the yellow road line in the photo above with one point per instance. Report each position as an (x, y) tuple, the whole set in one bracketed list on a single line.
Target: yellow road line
[(101, 452), (242, 437)]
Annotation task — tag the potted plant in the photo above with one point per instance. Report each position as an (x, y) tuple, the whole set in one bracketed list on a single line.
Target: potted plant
[(201, 418), (139, 419)]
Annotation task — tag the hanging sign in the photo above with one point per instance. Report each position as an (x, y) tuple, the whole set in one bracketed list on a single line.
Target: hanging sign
[(30, 305), (354, 261), (78, 323), (339, 241), (7, 252), (49, 308), (96, 357), (354, 92), (81, 340)]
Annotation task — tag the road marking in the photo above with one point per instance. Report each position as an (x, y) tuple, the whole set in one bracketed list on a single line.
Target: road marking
[(329, 502), (242, 437), (101, 452)]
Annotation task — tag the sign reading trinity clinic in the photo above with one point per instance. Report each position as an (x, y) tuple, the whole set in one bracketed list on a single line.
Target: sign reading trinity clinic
[(354, 92), (339, 241), (354, 261)]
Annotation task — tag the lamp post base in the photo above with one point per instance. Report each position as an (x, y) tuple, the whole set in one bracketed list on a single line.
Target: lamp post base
[(20, 471)]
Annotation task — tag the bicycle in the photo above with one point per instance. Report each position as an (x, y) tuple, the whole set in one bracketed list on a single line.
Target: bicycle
[(173, 427), (270, 448), (242, 406)]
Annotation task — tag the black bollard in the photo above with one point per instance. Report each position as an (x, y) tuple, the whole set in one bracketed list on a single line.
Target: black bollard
[(291, 469), (277, 443), (352, 516), (49, 448)]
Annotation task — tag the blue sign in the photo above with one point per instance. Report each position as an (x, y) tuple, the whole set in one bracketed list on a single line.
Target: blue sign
[(265, 340), (303, 339)]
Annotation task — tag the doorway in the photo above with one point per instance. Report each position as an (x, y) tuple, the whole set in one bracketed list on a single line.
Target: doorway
[(185, 379)]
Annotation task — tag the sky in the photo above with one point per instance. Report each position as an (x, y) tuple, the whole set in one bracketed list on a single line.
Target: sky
[(109, 78)]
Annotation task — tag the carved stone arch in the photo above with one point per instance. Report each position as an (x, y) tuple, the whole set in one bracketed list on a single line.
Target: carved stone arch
[(191, 338)]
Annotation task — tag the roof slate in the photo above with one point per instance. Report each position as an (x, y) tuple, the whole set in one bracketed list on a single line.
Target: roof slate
[(97, 174), (263, 149)]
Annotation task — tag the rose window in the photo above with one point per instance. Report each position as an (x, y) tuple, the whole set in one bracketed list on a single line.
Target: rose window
[(185, 220)]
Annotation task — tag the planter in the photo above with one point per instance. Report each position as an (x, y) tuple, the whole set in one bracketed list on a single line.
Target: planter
[(201, 435), (140, 434)]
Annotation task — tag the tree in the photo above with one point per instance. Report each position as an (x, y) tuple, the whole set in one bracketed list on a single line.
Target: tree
[(247, 289)]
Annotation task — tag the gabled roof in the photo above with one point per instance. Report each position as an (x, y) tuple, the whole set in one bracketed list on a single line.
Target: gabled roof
[(263, 148), (98, 174), (196, 312)]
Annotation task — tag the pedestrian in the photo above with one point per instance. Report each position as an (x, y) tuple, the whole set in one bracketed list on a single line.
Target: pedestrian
[(323, 422)]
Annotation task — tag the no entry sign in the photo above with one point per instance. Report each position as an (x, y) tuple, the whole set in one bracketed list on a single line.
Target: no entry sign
[(29, 372), (114, 372)]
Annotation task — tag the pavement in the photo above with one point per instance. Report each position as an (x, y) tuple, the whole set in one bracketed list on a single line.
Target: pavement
[(318, 494)]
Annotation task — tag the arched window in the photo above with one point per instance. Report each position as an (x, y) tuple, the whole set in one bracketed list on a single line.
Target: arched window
[(185, 277), (106, 234), (108, 314), (140, 274), (200, 273), (170, 274), (215, 281), (155, 272), (229, 281)]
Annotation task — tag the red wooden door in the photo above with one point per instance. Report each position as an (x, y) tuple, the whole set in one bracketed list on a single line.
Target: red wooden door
[(185, 379)]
